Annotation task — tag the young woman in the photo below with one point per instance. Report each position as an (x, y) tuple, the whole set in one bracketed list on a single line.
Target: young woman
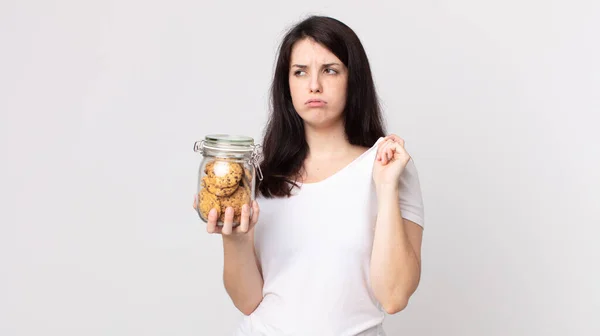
[(338, 242)]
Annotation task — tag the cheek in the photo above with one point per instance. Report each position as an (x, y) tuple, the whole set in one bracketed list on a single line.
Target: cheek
[(340, 93), (295, 91)]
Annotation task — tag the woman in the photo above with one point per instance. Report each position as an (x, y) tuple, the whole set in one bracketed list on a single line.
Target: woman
[(341, 214)]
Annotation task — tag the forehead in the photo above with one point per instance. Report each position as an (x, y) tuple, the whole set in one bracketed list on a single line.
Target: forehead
[(308, 51)]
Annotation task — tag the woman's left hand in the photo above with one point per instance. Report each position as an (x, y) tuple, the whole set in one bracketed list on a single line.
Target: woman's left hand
[(390, 161)]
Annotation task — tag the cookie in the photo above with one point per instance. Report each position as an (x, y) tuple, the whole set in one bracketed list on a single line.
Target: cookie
[(240, 197), (207, 202), (224, 174), (248, 176), (210, 185)]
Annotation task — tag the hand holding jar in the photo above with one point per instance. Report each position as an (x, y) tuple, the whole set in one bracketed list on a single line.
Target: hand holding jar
[(248, 218)]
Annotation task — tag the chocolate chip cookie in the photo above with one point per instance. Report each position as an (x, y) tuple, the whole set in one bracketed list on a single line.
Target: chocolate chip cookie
[(224, 174), (207, 202), (210, 185), (240, 197)]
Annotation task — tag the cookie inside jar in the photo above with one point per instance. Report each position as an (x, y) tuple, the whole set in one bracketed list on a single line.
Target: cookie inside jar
[(225, 183)]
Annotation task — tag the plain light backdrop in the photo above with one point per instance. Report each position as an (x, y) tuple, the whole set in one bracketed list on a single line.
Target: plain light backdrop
[(101, 102)]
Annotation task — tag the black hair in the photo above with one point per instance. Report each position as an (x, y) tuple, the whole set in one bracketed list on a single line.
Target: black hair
[(284, 143)]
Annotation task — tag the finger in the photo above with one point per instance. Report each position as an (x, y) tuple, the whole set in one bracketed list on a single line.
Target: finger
[(228, 222), (400, 152), (194, 205), (211, 225), (255, 213), (390, 153), (380, 149), (245, 219), (396, 138), (384, 157)]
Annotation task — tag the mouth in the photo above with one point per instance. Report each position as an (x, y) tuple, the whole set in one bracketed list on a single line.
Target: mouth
[(315, 102)]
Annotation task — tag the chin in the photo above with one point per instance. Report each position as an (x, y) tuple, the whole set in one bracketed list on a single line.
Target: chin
[(313, 122)]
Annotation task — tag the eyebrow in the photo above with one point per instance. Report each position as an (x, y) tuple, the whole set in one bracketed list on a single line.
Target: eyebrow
[(301, 66)]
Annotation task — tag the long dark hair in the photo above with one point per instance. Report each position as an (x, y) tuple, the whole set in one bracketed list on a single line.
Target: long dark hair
[(284, 143)]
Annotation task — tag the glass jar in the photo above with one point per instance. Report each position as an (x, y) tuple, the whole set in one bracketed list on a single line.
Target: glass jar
[(227, 174)]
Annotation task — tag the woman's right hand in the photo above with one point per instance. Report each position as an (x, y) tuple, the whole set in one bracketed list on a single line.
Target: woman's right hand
[(247, 220)]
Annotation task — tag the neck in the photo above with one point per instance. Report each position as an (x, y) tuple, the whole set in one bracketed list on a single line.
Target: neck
[(326, 142)]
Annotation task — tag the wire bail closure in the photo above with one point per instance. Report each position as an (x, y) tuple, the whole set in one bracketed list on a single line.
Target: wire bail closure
[(199, 147), (255, 159)]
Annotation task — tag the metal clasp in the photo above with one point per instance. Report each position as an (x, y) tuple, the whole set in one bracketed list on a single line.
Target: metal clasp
[(255, 158), (199, 147)]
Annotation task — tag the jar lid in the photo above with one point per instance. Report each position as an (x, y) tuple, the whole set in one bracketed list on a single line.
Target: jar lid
[(225, 142), (237, 145), (229, 140)]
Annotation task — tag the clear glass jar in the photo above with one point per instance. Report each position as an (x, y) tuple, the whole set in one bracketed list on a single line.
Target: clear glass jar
[(227, 174)]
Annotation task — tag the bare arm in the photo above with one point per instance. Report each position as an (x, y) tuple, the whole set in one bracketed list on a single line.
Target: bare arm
[(241, 274), (396, 256)]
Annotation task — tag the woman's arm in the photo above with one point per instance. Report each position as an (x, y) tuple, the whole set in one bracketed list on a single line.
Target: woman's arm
[(396, 256), (241, 275)]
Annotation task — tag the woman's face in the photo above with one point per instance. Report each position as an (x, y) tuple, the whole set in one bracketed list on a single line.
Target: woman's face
[(317, 74)]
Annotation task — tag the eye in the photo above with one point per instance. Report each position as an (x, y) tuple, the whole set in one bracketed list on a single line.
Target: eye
[(297, 72), (331, 71)]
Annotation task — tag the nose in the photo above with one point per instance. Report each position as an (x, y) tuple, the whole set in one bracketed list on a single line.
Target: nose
[(315, 84)]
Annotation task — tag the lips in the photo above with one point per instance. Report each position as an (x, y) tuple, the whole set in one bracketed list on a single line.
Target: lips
[(315, 102)]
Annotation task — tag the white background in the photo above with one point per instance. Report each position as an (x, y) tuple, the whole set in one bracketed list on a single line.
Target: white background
[(101, 102)]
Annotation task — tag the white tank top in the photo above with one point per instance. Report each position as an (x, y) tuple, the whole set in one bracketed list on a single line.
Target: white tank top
[(314, 249)]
